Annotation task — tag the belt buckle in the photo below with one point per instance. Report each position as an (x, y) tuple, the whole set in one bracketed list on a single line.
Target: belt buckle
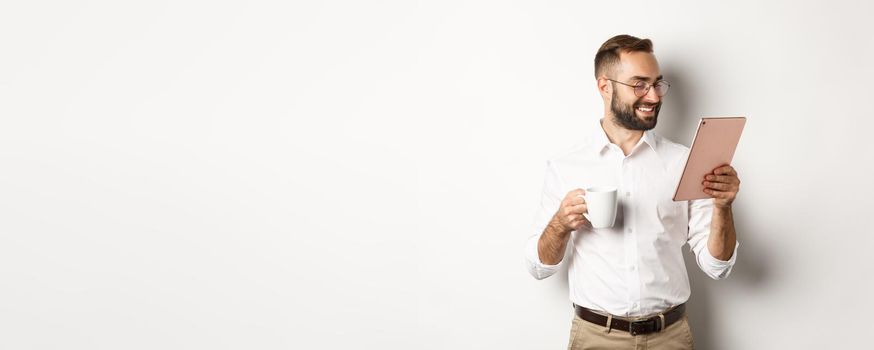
[(639, 322)]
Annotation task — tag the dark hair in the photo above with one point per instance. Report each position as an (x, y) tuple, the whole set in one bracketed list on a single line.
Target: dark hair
[(608, 55)]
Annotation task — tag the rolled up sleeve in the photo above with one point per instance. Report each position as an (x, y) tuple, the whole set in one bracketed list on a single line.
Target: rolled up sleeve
[(700, 216), (550, 200)]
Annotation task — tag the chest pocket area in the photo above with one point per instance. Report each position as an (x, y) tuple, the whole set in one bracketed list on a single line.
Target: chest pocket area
[(674, 217)]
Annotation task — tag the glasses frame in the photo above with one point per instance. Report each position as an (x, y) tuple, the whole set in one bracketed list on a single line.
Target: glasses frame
[(647, 86)]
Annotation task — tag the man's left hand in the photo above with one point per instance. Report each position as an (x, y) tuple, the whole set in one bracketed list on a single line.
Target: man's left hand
[(722, 185)]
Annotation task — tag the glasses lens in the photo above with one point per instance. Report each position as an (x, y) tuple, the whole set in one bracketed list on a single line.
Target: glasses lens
[(640, 89), (662, 88)]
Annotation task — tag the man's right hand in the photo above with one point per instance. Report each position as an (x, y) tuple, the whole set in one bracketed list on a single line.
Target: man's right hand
[(568, 218), (570, 213)]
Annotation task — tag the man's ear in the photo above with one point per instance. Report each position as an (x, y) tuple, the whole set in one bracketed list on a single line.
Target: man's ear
[(604, 87)]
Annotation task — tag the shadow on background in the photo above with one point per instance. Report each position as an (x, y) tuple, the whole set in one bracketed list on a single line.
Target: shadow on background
[(678, 120)]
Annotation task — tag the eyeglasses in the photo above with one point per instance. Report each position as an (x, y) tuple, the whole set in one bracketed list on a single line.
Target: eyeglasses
[(642, 88)]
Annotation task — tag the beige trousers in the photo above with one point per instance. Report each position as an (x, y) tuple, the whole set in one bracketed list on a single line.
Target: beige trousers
[(589, 336)]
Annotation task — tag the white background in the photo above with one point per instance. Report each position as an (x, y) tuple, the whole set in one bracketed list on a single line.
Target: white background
[(344, 174)]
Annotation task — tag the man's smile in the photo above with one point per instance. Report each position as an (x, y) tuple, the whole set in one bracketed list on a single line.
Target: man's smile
[(647, 110)]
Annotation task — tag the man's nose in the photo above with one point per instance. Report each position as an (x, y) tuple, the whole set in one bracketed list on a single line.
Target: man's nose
[(651, 95)]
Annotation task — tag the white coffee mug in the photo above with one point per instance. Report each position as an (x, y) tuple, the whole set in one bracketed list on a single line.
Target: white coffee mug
[(601, 204)]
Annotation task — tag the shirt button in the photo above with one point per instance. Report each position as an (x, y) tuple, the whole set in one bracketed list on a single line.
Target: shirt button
[(628, 230), (633, 267), (628, 194)]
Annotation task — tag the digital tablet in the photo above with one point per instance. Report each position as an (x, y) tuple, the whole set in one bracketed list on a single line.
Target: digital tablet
[(712, 147)]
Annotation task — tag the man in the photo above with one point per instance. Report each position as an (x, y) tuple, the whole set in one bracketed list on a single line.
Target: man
[(628, 282)]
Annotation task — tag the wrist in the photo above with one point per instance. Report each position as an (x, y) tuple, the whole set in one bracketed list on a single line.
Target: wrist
[(722, 213), (722, 208), (557, 229)]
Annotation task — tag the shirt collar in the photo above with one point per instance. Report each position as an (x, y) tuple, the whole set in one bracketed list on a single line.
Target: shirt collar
[(601, 142)]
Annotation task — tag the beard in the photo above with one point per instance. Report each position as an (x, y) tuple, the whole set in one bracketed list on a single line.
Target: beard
[(626, 115)]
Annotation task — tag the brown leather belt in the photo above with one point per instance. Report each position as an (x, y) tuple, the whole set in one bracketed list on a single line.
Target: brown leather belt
[(644, 326)]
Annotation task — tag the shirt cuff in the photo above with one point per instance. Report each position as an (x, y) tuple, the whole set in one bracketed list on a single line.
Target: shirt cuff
[(536, 267), (717, 264)]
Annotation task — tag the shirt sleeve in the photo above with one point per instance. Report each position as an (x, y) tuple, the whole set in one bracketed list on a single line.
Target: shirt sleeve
[(550, 200), (700, 216)]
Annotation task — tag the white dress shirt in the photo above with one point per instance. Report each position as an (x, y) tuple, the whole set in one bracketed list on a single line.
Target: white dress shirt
[(636, 267)]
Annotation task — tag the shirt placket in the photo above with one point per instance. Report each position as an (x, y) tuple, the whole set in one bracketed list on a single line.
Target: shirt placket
[(628, 182)]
